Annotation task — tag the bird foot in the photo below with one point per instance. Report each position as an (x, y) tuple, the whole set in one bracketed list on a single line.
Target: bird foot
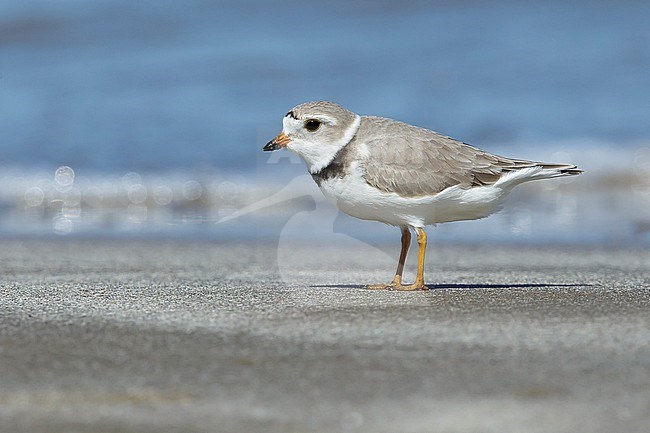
[(397, 286)]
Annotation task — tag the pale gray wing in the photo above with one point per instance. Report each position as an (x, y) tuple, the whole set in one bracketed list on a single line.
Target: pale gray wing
[(413, 162)]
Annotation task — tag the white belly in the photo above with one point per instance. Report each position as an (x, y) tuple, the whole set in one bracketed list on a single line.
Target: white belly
[(352, 195)]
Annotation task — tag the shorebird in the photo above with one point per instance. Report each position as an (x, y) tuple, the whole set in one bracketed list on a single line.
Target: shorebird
[(380, 169)]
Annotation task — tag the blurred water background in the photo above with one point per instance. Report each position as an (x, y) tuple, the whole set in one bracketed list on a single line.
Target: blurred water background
[(148, 117)]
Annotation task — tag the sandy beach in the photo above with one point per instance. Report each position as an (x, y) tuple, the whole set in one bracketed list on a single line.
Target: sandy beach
[(160, 272), (105, 335)]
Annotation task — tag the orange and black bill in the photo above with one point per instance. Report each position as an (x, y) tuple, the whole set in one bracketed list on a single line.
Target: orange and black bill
[(278, 142)]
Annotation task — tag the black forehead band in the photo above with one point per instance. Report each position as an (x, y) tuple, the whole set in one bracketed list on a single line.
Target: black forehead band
[(291, 114)]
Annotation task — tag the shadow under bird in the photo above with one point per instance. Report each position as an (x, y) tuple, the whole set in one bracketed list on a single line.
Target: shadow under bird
[(381, 169)]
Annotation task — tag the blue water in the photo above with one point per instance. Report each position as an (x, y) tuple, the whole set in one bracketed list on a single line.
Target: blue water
[(150, 85), (158, 109)]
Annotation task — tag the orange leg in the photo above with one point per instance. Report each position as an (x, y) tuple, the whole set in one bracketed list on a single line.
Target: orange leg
[(397, 280), (419, 278), (396, 284)]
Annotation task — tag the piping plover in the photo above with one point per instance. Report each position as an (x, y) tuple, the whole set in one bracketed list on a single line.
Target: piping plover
[(381, 169)]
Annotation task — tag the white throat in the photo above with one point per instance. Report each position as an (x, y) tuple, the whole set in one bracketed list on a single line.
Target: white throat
[(319, 157)]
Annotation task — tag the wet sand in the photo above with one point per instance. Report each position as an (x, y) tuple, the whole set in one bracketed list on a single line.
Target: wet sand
[(124, 335)]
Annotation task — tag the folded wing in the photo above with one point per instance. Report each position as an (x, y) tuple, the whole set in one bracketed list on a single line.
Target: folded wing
[(413, 162)]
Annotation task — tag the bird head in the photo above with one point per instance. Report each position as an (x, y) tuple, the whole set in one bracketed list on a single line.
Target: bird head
[(316, 131)]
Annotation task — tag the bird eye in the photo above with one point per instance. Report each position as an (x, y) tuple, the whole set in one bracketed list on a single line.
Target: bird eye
[(312, 125)]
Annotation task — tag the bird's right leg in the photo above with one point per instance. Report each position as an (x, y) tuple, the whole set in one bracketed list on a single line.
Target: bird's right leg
[(397, 280)]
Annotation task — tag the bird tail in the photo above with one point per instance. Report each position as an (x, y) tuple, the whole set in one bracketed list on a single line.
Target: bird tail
[(538, 170), (560, 169)]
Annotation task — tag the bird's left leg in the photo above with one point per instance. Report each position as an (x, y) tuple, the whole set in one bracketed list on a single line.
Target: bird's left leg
[(397, 280)]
